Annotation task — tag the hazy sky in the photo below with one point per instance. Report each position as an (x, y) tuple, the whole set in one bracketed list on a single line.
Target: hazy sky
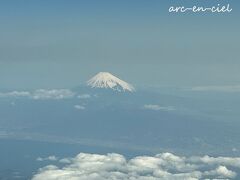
[(62, 43)]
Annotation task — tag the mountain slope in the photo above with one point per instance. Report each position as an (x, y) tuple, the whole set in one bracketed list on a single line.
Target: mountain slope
[(109, 81)]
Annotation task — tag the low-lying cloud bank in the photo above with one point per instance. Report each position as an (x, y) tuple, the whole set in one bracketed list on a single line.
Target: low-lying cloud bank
[(162, 166), (40, 94)]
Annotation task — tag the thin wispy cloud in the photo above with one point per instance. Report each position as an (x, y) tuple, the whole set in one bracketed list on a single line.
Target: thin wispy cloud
[(52, 94), (40, 94), (15, 94), (49, 158), (79, 107), (161, 166), (84, 96), (230, 88), (157, 107)]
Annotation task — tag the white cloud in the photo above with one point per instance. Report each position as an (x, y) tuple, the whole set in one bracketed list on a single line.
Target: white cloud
[(79, 107), (156, 107), (232, 88), (221, 172), (228, 161), (40, 94), (84, 96), (49, 158), (162, 166)]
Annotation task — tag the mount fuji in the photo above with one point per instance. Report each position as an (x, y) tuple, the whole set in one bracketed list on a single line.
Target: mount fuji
[(108, 81)]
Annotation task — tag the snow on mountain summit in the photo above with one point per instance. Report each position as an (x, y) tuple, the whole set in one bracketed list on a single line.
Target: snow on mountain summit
[(109, 81)]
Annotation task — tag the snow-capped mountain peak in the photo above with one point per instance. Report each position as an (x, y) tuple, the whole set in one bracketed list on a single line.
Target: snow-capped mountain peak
[(109, 81)]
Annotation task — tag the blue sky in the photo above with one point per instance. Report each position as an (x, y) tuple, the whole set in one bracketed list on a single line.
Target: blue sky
[(63, 43)]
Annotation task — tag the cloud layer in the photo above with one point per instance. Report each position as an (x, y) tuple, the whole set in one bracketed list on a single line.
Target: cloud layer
[(162, 166)]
